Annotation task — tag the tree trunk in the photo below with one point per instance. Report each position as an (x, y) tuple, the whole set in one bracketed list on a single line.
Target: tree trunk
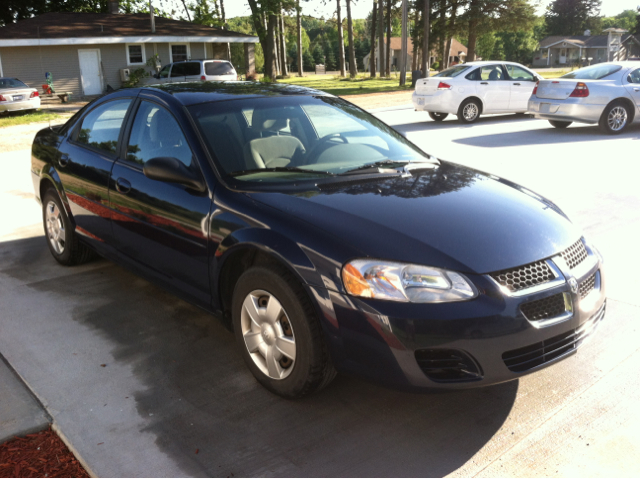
[(299, 27), (414, 53), (270, 66), (260, 24), (224, 25), (276, 43), (340, 42), (388, 56), (442, 24), (425, 39), (283, 45), (474, 16), (381, 37), (353, 70), (372, 54)]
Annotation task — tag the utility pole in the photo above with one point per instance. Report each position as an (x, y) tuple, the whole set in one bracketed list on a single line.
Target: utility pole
[(403, 54)]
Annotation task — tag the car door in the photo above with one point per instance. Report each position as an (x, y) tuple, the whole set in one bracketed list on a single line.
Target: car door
[(161, 225), (521, 83), (632, 84), (492, 87), (163, 75), (85, 164)]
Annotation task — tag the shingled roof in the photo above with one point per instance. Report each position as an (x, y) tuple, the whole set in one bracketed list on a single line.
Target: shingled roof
[(104, 26), (595, 41)]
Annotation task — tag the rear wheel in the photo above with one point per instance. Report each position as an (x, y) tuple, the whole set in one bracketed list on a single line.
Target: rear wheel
[(469, 111), (279, 333), (61, 238), (615, 118), (560, 124), (438, 116)]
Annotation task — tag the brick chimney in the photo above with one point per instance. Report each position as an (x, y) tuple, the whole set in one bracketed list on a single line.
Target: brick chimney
[(114, 6)]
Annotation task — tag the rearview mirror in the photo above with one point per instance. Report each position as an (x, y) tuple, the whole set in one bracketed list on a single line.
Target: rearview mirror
[(172, 170)]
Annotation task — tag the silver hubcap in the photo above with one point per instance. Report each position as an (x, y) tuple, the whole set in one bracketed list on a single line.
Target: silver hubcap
[(55, 227), (268, 334), (470, 111), (617, 118)]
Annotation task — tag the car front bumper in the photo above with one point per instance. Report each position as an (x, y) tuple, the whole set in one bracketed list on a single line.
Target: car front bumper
[(29, 104), (571, 109), (402, 345)]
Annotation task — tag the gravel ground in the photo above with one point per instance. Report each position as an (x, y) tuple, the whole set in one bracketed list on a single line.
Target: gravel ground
[(20, 137)]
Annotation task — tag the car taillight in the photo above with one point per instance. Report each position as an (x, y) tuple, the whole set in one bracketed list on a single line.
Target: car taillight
[(580, 91), (202, 77), (444, 86), (535, 88), (2, 98), (34, 94)]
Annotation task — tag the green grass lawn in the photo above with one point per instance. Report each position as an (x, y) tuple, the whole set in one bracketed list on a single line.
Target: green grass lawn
[(24, 118), (345, 86), (549, 75)]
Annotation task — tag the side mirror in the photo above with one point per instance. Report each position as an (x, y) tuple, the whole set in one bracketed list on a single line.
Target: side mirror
[(172, 170)]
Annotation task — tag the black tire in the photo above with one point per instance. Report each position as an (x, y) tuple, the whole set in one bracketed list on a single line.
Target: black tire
[(438, 116), (560, 124), (615, 118), (73, 252), (469, 111), (312, 369)]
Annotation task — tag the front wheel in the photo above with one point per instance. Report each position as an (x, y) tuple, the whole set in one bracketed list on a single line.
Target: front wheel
[(279, 333), (469, 111), (615, 118), (438, 116), (560, 124)]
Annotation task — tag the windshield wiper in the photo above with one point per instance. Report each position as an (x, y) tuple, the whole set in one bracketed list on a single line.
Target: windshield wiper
[(280, 169), (375, 166)]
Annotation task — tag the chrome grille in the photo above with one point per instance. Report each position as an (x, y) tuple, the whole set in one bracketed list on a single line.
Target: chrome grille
[(575, 254), (587, 286), (545, 308), (525, 276)]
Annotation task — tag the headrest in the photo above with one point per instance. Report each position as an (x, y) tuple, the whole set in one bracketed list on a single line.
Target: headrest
[(269, 119)]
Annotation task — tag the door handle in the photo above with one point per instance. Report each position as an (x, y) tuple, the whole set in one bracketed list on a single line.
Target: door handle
[(636, 89), (123, 186), (483, 83), (64, 160), (517, 84)]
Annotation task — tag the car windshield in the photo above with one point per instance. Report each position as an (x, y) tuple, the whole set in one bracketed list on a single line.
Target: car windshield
[(293, 138), (218, 68), (595, 72), (452, 72), (11, 83)]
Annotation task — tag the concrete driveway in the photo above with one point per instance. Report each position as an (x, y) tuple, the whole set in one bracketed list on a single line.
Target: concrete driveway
[(144, 384)]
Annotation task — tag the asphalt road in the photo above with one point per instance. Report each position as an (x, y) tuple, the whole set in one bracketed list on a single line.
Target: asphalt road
[(144, 384)]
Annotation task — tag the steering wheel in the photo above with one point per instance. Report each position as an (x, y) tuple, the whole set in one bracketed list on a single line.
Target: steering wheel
[(314, 153)]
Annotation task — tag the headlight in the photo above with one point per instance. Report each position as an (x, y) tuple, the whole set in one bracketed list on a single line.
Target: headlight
[(405, 282)]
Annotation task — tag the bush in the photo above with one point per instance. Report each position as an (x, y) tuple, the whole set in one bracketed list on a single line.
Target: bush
[(435, 65)]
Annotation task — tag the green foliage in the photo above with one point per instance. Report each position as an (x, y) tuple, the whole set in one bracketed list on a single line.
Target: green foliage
[(308, 64), (25, 117), (485, 45), (206, 12), (571, 17), (626, 20), (134, 77), (330, 60)]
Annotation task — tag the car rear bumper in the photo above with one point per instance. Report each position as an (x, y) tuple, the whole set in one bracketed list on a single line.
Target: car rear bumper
[(30, 104), (403, 345), (441, 101), (571, 109)]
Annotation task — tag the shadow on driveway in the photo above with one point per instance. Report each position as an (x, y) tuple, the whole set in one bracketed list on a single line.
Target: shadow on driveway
[(210, 416), (451, 122)]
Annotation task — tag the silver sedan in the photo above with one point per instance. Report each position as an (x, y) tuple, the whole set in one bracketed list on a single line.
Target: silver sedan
[(606, 93), (16, 95)]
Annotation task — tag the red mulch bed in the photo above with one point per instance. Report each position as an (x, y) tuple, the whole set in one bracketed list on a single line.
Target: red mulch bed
[(38, 455)]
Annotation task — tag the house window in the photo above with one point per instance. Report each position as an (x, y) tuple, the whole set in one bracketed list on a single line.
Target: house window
[(179, 52), (135, 54), (544, 52)]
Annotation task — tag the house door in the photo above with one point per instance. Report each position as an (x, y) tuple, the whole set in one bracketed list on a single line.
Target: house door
[(90, 72), (563, 55)]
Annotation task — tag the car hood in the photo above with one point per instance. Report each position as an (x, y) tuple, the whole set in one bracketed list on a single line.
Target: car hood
[(451, 217)]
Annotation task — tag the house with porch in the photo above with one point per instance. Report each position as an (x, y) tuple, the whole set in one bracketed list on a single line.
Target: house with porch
[(457, 54), (559, 50), (87, 52)]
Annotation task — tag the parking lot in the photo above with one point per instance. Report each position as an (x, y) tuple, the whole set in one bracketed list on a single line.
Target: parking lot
[(144, 384)]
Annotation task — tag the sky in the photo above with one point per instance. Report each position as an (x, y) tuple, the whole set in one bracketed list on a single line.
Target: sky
[(360, 8)]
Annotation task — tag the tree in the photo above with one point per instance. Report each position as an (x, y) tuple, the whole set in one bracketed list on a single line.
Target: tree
[(353, 71), (330, 60), (426, 27), (381, 62), (625, 20), (372, 54), (307, 61), (340, 41), (299, 37), (571, 17)]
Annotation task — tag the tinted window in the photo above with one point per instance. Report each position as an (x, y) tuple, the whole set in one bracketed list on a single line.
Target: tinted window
[(595, 72), (11, 83), (452, 72), (192, 68), (156, 133), (164, 73), (634, 76), (219, 68), (101, 127), (178, 70), (517, 73)]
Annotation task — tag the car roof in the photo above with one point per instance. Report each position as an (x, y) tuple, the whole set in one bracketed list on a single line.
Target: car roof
[(203, 60), (201, 92), (489, 62)]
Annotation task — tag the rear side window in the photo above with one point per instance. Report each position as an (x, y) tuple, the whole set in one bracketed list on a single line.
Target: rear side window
[(101, 127), (453, 72), (11, 83), (218, 68), (634, 76), (595, 72)]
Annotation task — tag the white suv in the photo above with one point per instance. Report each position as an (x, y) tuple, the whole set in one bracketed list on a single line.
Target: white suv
[(196, 70)]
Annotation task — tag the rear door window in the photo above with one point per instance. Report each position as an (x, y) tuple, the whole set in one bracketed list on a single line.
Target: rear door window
[(100, 129), (491, 73), (218, 68), (178, 70), (517, 73)]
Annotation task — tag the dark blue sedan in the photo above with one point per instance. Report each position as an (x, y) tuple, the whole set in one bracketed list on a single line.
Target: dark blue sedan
[(322, 238)]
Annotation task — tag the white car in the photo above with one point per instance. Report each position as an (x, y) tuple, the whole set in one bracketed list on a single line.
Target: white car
[(16, 95), (196, 70), (606, 93), (472, 89)]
